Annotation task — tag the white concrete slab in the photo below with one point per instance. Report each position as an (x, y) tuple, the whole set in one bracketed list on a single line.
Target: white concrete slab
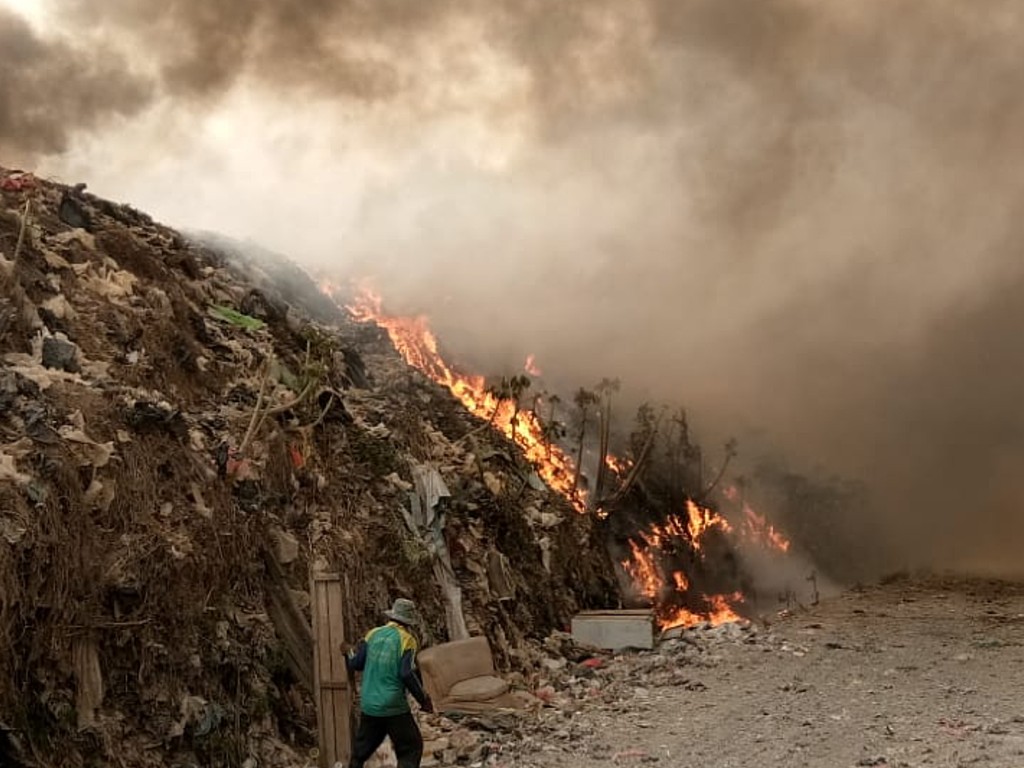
[(613, 630)]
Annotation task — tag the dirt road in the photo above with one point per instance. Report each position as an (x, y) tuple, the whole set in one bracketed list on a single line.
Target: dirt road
[(906, 674)]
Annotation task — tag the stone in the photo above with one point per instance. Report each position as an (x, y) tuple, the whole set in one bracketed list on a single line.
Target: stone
[(553, 665), (435, 746), (464, 741), (60, 354), (72, 212)]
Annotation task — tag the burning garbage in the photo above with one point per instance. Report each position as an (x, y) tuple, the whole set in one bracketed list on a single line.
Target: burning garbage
[(499, 407), (652, 549)]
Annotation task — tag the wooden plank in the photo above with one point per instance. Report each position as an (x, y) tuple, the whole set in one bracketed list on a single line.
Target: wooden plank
[(321, 659), (329, 716), (342, 695), (333, 692)]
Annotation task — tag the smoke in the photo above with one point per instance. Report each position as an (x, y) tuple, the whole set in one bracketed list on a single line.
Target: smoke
[(50, 88), (795, 217)]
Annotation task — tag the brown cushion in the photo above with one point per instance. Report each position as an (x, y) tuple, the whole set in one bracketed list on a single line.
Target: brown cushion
[(445, 665), (478, 689)]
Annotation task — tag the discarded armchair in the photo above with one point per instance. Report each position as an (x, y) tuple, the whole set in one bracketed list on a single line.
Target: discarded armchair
[(460, 677)]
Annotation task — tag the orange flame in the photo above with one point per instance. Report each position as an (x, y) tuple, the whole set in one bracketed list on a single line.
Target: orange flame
[(756, 528), (761, 530), (644, 568), (417, 344), (702, 520), (617, 465), (644, 572), (720, 611)]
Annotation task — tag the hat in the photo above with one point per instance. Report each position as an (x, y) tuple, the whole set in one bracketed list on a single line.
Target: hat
[(403, 611)]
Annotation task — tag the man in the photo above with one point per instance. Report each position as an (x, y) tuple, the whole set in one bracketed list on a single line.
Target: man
[(387, 659)]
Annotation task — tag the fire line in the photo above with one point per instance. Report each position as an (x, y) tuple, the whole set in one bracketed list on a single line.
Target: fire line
[(418, 346)]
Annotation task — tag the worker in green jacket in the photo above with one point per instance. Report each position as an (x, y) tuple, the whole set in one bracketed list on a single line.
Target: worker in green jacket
[(387, 659)]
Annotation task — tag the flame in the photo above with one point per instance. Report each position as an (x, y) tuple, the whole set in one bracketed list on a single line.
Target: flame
[(756, 527), (645, 569), (761, 530), (417, 344), (682, 583), (530, 366), (419, 347), (617, 465), (701, 520), (720, 611)]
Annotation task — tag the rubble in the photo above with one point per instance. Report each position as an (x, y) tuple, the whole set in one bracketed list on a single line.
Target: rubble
[(575, 688)]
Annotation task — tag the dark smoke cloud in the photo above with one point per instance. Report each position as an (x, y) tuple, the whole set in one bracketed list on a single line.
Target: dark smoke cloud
[(797, 217), (49, 88), (337, 47)]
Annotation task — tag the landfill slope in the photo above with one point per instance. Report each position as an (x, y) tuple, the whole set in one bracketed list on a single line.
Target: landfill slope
[(180, 446)]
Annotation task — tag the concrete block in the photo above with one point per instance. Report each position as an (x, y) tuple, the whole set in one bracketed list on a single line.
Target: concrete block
[(612, 630)]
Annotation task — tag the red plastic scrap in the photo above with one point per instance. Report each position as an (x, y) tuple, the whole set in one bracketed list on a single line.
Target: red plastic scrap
[(18, 182), (545, 694), (238, 466)]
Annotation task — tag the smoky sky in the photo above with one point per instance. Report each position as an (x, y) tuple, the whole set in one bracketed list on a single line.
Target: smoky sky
[(797, 218), (50, 88)]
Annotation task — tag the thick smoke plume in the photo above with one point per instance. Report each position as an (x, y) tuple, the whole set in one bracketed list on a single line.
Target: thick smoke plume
[(49, 88), (796, 217)]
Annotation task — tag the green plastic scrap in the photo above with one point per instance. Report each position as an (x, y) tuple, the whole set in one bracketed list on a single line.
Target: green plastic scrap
[(236, 318)]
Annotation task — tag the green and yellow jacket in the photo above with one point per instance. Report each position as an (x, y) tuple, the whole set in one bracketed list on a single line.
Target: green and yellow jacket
[(387, 659)]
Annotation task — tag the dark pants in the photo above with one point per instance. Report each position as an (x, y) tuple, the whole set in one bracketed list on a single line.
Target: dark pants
[(401, 729)]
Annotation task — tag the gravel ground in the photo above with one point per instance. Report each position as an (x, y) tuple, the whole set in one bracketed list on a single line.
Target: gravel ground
[(912, 673)]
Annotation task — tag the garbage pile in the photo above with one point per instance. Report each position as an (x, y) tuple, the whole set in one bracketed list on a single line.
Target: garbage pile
[(180, 446)]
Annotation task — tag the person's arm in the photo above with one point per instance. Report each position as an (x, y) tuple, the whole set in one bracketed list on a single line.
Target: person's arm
[(412, 681), (356, 660)]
